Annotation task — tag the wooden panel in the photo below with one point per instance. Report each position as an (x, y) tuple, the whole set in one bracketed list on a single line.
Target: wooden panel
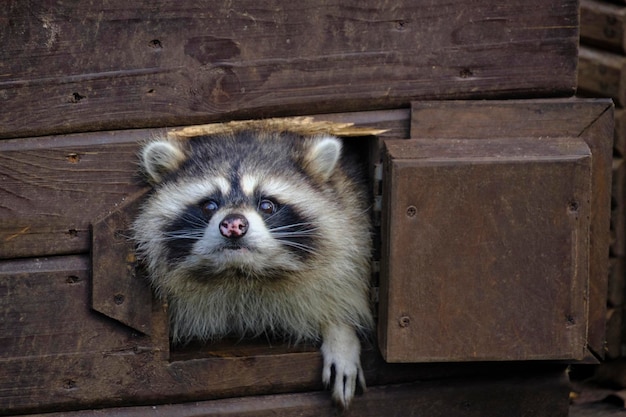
[(618, 209), (614, 332), (59, 354), (118, 287), (52, 188), (542, 395), (601, 74), (620, 132), (486, 246), (590, 119), (617, 282), (602, 24), (81, 66)]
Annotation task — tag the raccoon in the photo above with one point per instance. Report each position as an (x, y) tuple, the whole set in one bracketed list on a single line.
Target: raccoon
[(255, 233)]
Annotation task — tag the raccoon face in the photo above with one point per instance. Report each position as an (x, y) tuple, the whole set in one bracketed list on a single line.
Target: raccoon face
[(236, 206)]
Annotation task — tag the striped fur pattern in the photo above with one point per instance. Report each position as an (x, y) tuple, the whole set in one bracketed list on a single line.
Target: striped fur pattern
[(254, 232)]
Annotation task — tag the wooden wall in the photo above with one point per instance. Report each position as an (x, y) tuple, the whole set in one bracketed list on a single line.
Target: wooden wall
[(602, 73), (82, 83)]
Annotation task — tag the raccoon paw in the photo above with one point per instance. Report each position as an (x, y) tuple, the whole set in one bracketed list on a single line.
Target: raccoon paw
[(341, 351)]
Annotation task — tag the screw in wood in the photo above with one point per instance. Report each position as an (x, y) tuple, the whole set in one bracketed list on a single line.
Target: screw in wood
[(411, 211), (404, 321)]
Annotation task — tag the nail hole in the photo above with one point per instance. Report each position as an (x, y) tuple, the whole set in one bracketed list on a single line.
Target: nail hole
[(73, 158), (155, 44), (76, 97), (466, 73), (118, 299), (411, 211), (72, 279)]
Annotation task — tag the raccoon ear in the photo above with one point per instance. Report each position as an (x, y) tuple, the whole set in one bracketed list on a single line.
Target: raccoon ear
[(159, 158), (322, 156)]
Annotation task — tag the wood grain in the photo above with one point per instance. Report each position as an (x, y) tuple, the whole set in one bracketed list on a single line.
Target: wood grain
[(602, 74), (486, 249), (76, 66), (545, 394), (53, 188), (591, 120), (602, 25)]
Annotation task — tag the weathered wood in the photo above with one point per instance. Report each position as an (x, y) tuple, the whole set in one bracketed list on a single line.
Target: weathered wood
[(614, 332), (620, 132), (602, 24), (52, 188), (485, 249), (57, 353), (542, 395), (75, 66), (602, 74), (617, 282), (118, 288), (590, 119), (618, 209)]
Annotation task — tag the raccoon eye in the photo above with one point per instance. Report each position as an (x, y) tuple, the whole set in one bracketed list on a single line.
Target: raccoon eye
[(267, 207), (209, 207)]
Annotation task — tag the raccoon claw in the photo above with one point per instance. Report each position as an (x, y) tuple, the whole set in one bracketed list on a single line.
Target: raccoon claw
[(341, 351)]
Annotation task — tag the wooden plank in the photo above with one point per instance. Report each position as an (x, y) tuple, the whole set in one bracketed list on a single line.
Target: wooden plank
[(541, 395), (602, 25), (486, 249), (589, 119), (56, 353), (614, 332), (76, 66), (52, 188), (617, 282), (602, 74), (618, 209), (620, 132)]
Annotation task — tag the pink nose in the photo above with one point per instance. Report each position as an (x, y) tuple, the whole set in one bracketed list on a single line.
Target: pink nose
[(234, 226)]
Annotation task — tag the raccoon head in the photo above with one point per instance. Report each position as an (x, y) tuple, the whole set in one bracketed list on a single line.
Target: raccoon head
[(239, 206)]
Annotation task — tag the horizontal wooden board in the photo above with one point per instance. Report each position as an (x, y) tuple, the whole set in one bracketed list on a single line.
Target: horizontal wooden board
[(602, 74), (53, 188), (541, 395), (602, 24), (81, 66), (57, 353)]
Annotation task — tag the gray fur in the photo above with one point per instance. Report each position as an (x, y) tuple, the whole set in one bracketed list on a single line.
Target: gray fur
[(303, 282)]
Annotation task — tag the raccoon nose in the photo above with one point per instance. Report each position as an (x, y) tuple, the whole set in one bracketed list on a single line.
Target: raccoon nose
[(234, 226)]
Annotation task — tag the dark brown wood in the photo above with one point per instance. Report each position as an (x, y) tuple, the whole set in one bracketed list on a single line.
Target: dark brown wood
[(617, 282), (57, 353), (620, 132), (485, 249), (614, 332), (602, 24), (545, 394), (53, 188), (76, 66), (618, 209), (118, 288), (602, 74), (590, 119)]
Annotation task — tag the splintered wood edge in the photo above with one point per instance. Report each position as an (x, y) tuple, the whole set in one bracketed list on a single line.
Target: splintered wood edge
[(306, 126)]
